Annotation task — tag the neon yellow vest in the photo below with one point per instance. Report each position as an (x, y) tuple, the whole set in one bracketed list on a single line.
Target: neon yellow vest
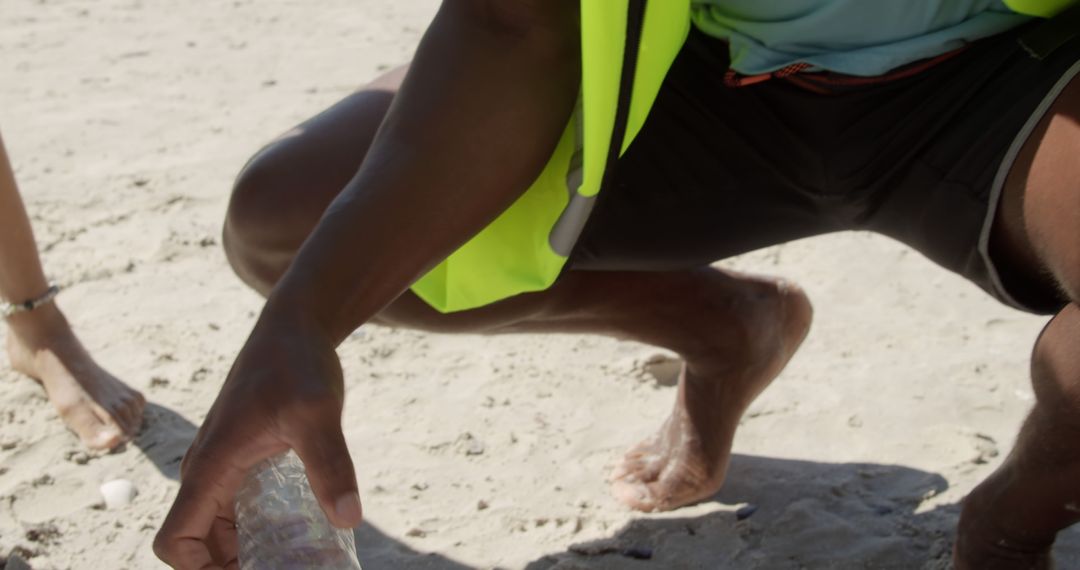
[(627, 48)]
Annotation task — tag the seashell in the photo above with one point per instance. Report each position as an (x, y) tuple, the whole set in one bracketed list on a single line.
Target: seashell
[(118, 493)]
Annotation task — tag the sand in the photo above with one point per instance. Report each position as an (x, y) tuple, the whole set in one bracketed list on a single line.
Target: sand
[(127, 120)]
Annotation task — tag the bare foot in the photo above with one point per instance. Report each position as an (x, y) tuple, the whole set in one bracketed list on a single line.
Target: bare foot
[(103, 411), (750, 333)]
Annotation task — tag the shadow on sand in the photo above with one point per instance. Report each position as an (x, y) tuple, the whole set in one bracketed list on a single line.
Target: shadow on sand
[(808, 515), (381, 552), (164, 438)]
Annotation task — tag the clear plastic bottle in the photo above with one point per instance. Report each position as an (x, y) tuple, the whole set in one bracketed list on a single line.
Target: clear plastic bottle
[(280, 525)]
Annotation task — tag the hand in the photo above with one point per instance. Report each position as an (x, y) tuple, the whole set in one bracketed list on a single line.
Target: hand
[(284, 391)]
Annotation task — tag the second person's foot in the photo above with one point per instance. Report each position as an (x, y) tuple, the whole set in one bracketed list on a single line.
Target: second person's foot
[(100, 409)]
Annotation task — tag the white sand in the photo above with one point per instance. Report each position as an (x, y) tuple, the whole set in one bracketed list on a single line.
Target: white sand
[(127, 120)]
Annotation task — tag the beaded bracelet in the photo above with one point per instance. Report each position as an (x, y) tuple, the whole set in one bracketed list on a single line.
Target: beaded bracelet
[(9, 309)]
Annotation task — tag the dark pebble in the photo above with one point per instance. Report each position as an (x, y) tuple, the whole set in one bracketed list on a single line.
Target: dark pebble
[(745, 512), (638, 553)]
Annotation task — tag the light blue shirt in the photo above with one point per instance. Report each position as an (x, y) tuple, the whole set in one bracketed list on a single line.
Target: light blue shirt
[(855, 37)]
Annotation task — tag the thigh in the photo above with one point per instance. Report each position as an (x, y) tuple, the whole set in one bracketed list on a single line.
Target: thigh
[(715, 171), (1037, 229), (958, 195), (1035, 237)]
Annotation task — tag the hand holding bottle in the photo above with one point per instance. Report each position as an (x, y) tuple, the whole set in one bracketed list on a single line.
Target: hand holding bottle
[(284, 392)]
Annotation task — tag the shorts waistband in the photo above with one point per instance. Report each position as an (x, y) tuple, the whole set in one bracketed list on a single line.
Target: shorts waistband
[(828, 82)]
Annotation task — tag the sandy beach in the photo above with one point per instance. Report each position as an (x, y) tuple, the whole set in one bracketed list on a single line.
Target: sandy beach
[(127, 121)]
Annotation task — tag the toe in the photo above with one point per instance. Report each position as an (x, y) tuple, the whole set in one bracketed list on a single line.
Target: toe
[(94, 432), (645, 468), (636, 495), (114, 415), (130, 409), (628, 469), (105, 440), (122, 407), (114, 422), (622, 472), (640, 452), (109, 437)]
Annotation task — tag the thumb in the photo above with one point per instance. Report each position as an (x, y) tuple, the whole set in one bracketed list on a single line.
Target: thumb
[(331, 474)]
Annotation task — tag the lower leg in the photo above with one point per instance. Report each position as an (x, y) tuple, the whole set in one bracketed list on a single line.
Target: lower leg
[(99, 408), (734, 332), (1011, 519), (21, 276)]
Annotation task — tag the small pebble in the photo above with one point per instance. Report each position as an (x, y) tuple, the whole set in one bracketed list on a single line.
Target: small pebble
[(469, 445), (78, 457), (638, 553), (118, 493), (745, 512), (481, 505), (595, 547)]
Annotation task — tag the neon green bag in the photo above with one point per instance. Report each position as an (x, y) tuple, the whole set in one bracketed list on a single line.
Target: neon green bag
[(1040, 8)]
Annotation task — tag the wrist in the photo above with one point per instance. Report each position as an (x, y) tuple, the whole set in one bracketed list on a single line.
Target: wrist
[(293, 314), (328, 302)]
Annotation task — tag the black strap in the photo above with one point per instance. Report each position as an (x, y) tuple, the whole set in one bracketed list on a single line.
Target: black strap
[(1047, 37), (635, 20)]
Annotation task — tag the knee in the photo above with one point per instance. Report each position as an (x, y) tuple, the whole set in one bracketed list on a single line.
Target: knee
[(253, 235), (248, 213), (1050, 175)]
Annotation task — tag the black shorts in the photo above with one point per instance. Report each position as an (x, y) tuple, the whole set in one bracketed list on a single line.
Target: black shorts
[(718, 171)]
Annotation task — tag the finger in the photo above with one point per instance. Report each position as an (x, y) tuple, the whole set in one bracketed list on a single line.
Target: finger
[(207, 492), (331, 474), (222, 540)]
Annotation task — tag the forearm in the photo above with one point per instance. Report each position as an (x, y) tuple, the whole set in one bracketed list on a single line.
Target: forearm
[(21, 276), (475, 121)]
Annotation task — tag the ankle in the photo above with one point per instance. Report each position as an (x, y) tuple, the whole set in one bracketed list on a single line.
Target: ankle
[(39, 329), (986, 538)]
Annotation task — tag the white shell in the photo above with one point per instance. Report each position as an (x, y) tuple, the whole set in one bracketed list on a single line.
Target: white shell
[(118, 493)]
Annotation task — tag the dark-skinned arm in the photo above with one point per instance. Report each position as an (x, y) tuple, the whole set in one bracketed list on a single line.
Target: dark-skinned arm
[(473, 124), (485, 101)]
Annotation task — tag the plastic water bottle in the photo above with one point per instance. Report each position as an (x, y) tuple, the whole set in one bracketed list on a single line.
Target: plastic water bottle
[(280, 525)]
